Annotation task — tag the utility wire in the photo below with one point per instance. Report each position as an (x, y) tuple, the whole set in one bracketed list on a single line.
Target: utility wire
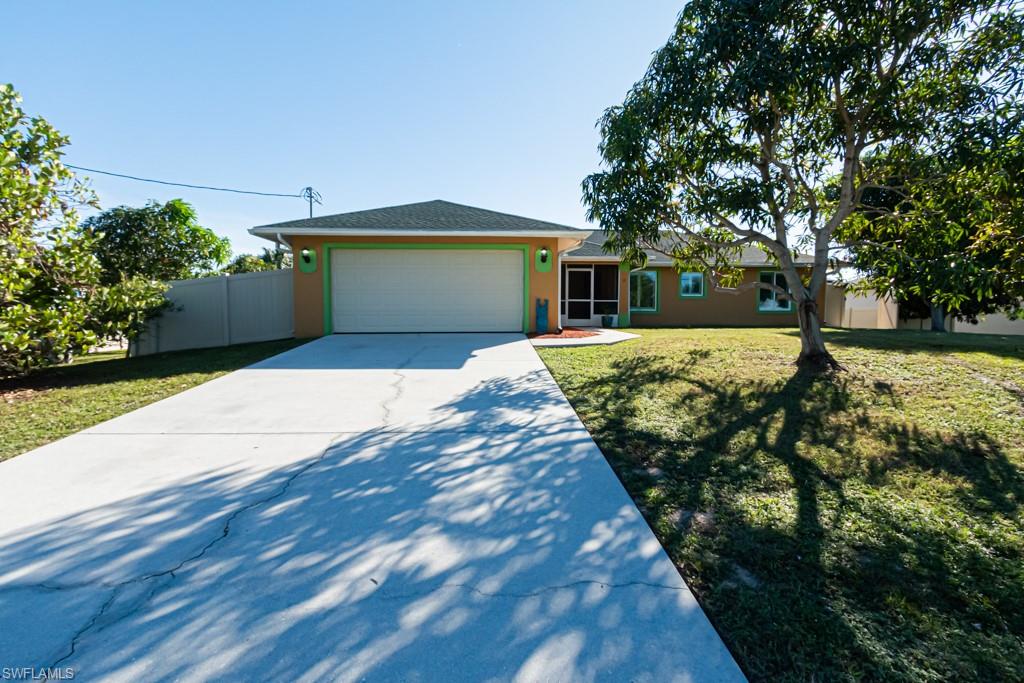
[(302, 194), (311, 195)]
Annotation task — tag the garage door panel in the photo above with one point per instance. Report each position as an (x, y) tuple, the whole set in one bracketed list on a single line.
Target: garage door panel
[(400, 290)]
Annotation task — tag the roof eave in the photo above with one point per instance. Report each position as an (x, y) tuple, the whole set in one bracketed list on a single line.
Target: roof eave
[(569, 257), (610, 259), (270, 231)]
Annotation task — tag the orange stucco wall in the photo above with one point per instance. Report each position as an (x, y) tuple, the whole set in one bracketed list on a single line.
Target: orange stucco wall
[(309, 293), (714, 309)]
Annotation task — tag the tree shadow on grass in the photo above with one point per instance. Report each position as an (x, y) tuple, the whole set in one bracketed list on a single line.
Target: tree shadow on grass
[(813, 555), (915, 342)]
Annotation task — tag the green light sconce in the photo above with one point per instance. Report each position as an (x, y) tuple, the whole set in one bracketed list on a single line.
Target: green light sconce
[(542, 260), (307, 260)]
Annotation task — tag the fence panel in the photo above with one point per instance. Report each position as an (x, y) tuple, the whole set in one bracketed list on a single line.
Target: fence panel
[(218, 311), (259, 306), (994, 323)]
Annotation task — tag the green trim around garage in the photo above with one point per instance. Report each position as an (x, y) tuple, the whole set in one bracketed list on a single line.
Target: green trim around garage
[(474, 246)]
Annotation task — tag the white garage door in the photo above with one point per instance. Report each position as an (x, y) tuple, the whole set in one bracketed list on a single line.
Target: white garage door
[(426, 290)]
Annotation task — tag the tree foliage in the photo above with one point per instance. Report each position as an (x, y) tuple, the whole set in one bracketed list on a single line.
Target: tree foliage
[(44, 262), (120, 311), (1004, 233), (52, 305), (942, 238), (745, 118), (156, 242), (269, 259)]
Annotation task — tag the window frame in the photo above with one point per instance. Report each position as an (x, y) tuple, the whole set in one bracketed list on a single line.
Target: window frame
[(774, 295), (703, 288), (657, 300)]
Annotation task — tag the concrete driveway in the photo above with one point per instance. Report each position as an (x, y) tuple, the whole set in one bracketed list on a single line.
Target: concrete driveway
[(378, 507)]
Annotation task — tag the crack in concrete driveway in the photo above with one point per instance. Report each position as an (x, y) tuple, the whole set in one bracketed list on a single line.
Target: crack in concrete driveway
[(102, 613), (397, 385), (364, 507)]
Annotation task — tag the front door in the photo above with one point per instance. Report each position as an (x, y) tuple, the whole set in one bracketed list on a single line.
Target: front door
[(579, 288)]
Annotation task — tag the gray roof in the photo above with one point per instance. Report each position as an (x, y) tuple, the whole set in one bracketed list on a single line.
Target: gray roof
[(433, 216), (592, 247)]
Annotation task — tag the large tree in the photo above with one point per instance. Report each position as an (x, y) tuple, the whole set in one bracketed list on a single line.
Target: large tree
[(52, 304), (745, 118), (940, 240), (155, 241)]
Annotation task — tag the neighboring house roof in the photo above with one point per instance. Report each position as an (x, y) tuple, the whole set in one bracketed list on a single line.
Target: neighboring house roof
[(435, 217), (591, 249)]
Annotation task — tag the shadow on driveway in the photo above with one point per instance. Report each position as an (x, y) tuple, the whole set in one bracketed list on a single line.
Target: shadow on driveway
[(452, 554)]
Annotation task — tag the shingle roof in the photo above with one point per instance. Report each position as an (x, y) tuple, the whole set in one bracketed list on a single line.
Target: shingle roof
[(433, 216), (592, 247)]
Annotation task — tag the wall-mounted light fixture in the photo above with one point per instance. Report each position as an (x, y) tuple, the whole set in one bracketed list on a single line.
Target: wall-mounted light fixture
[(307, 260), (542, 260)]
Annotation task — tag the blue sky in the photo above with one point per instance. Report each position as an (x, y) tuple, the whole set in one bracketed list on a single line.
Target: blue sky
[(373, 103)]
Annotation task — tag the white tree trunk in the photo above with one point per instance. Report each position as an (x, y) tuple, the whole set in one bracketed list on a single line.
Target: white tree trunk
[(813, 354)]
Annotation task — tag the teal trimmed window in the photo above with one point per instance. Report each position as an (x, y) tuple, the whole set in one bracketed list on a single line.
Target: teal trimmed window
[(643, 291), (769, 301), (691, 285)]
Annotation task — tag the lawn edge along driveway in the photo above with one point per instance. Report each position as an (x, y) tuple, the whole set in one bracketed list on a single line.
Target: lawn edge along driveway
[(52, 403)]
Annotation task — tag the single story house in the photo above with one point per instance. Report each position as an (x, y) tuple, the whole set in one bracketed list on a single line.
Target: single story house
[(442, 267), (659, 296)]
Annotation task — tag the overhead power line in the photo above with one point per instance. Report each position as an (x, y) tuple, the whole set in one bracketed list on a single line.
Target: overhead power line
[(304, 193)]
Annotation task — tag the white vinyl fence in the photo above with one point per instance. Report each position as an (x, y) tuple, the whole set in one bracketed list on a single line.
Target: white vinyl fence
[(860, 311), (867, 311), (223, 310), (994, 323)]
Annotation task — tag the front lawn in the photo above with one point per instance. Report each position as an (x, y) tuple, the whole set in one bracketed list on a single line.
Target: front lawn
[(863, 527), (55, 402)]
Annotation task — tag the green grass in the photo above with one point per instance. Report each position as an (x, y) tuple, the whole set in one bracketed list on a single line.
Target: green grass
[(55, 402), (862, 527)]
